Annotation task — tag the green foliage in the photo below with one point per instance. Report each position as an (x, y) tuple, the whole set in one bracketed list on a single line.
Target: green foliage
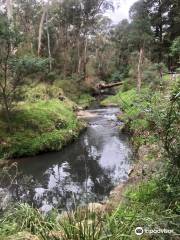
[(25, 218), (75, 90), (144, 192), (14, 68), (141, 33), (8, 35), (81, 224), (165, 116), (116, 77), (148, 114), (125, 98), (169, 186), (143, 207), (152, 76), (41, 91), (130, 102), (27, 65), (50, 77), (85, 100), (140, 124), (120, 75), (175, 48)]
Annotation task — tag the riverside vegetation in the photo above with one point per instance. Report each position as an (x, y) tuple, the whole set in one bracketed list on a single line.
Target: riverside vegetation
[(41, 122), (52, 57)]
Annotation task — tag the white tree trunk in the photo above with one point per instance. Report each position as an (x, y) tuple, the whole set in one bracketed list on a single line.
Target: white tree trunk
[(49, 44), (79, 56), (41, 29), (9, 8), (139, 78), (85, 56)]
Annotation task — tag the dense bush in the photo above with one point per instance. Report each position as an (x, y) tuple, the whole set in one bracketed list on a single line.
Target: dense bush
[(40, 91)]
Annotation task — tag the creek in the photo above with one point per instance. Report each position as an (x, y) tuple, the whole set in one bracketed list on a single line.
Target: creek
[(85, 171)]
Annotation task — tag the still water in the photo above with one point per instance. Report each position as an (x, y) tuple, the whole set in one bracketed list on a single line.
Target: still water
[(84, 171)]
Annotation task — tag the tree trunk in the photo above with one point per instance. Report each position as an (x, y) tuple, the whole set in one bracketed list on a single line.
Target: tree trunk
[(79, 56), (139, 79), (66, 47), (160, 30), (9, 9), (6, 110), (85, 58), (49, 44), (41, 29), (106, 86)]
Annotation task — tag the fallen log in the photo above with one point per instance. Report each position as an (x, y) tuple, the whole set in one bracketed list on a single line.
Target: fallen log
[(110, 85)]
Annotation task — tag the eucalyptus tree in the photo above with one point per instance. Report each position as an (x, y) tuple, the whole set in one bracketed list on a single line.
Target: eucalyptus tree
[(9, 7), (120, 37), (13, 66), (101, 49), (27, 14), (140, 36), (9, 40), (165, 21), (71, 24)]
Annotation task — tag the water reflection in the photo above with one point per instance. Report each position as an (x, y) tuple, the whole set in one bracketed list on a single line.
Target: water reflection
[(83, 172)]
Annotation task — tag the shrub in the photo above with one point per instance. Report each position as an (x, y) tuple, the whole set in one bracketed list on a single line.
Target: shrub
[(41, 91)]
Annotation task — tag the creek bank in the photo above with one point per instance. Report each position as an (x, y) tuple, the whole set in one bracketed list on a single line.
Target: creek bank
[(142, 170), (88, 168), (146, 154), (39, 127)]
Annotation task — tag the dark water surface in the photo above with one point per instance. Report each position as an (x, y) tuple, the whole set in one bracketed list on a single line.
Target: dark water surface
[(85, 171)]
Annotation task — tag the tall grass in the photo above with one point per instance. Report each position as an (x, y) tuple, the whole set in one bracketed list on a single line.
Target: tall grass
[(79, 225), (144, 207)]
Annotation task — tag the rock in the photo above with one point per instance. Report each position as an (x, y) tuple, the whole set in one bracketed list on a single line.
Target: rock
[(117, 190), (5, 198), (62, 98), (63, 216), (122, 127), (56, 234), (22, 236), (78, 108), (96, 207), (86, 114)]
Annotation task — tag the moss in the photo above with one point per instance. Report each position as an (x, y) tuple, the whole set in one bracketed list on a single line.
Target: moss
[(38, 127)]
